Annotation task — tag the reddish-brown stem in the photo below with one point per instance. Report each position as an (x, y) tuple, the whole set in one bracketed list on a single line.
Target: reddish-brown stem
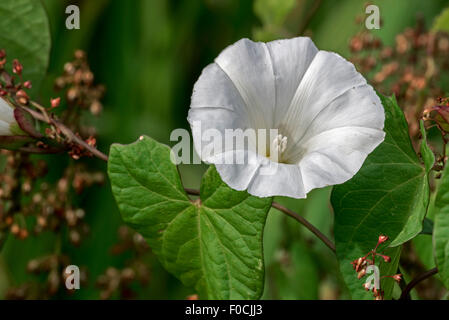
[(306, 224), (67, 132), (416, 280)]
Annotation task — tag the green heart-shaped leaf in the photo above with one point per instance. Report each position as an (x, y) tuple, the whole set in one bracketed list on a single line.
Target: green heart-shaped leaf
[(389, 195), (213, 244)]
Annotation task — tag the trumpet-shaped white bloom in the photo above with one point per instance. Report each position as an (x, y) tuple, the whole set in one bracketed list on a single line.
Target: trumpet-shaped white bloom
[(7, 120), (326, 117)]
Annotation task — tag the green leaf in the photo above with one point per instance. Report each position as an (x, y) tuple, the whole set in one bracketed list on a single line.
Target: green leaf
[(426, 152), (25, 35), (389, 269), (273, 12), (213, 244), (441, 228), (441, 23), (427, 226), (389, 195)]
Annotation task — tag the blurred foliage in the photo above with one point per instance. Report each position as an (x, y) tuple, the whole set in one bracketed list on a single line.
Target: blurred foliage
[(148, 54), (442, 22)]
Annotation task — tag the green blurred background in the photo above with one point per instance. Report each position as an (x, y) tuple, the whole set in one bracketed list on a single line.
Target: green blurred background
[(149, 53)]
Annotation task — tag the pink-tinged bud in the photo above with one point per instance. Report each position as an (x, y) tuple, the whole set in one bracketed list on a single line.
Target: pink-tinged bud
[(378, 294), (361, 273), (21, 94), (386, 258), (192, 297), (91, 141), (3, 93), (355, 263), (358, 264), (55, 102), (22, 97), (27, 84), (366, 286), (2, 53), (397, 277), (17, 67), (382, 239)]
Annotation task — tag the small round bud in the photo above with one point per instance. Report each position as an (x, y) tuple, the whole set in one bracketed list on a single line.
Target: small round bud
[(17, 67), (15, 229), (397, 277), (23, 234), (383, 238), (55, 102), (361, 273)]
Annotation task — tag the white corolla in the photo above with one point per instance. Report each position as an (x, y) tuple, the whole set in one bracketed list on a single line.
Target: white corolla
[(8, 123), (325, 116)]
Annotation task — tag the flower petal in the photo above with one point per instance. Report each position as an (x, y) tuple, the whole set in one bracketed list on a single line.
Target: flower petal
[(291, 59), (334, 156), (248, 64), (6, 112), (4, 129), (262, 177), (208, 126), (327, 77), (357, 107)]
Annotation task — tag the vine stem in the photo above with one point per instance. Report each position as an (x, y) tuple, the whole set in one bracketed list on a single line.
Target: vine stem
[(66, 131), (416, 280), (305, 223)]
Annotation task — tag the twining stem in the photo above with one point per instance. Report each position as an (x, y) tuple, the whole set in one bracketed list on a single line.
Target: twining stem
[(415, 281), (66, 131), (306, 224)]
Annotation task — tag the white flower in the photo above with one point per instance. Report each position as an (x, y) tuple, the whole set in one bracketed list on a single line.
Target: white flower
[(328, 118), (8, 124)]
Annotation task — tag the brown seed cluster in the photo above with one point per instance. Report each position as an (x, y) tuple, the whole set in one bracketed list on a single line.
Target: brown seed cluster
[(117, 283), (16, 181), (13, 87), (31, 203), (51, 267), (78, 81), (412, 68)]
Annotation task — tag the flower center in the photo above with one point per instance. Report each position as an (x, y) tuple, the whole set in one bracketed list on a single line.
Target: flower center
[(278, 146)]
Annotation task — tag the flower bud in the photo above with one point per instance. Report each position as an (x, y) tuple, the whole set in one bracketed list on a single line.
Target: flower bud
[(397, 277), (55, 102), (22, 97), (17, 67), (382, 239), (361, 273)]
